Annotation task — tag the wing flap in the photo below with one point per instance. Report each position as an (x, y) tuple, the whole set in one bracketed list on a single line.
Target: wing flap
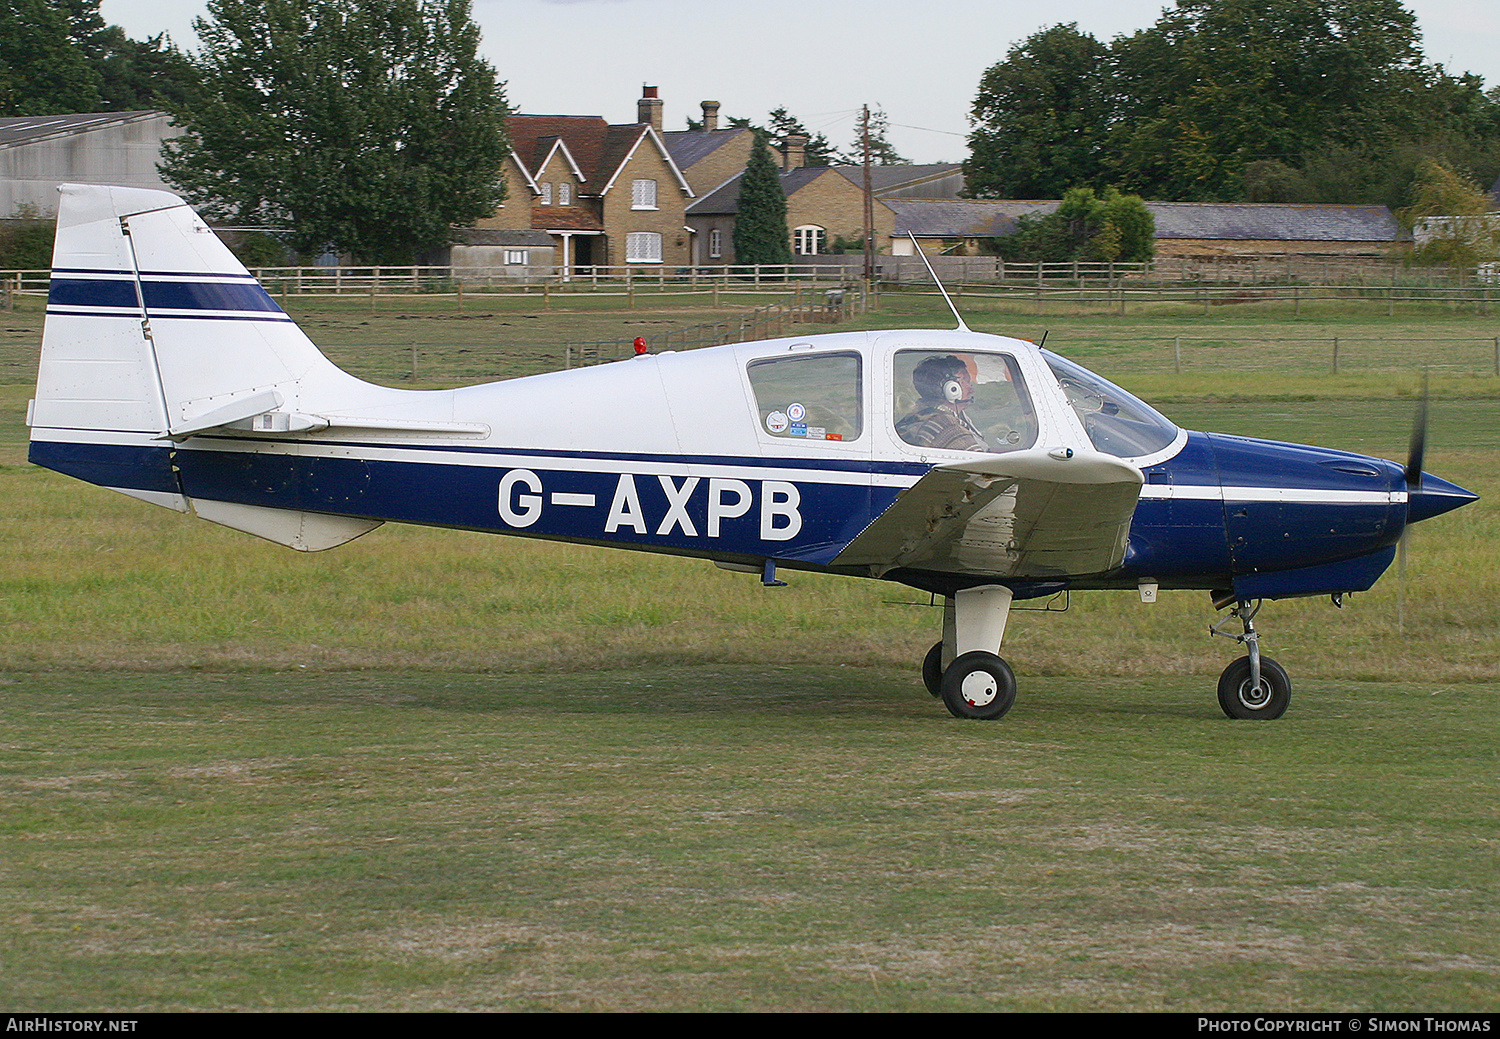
[(1031, 514)]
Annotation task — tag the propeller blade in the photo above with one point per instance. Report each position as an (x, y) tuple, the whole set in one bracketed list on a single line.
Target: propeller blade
[(1418, 446), (1401, 582)]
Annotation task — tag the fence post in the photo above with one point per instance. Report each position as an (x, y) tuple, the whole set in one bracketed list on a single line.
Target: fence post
[(1497, 355), (1177, 354), (1335, 355)]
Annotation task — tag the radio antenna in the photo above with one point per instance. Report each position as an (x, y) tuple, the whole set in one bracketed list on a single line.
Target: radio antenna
[(946, 298)]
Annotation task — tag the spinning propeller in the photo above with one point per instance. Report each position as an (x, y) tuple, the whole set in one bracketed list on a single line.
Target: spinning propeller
[(1415, 452)]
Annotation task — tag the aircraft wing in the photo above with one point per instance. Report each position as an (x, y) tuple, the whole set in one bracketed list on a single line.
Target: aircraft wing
[(1027, 514)]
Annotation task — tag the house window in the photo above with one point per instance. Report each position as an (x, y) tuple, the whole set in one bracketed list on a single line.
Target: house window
[(643, 247), (546, 199), (565, 194), (515, 256), (716, 243), (643, 194), (808, 240)]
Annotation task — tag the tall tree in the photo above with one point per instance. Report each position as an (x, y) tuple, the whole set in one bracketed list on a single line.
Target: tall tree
[(1041, 118), (1218, 84), (882, 151), (760, 231), (1451, 218), (1220, 100), (43, 68), (369, 126), (816, 152)]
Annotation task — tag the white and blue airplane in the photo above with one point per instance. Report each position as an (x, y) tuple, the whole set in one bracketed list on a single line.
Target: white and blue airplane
[(974, 467)]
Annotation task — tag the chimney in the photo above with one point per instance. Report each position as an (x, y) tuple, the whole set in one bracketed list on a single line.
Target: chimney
[(648, 108), (794, 152), (710, 115)]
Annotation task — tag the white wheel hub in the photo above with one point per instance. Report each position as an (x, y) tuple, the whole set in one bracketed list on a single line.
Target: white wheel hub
[(979, 688)]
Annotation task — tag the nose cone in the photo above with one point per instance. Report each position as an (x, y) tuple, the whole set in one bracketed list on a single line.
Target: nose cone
[(1434, 496)]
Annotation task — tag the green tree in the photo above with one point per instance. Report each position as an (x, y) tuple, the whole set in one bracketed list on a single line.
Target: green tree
[(1222, 100), (1041, 118), (1451, 219), (818, 151), (369, 126), (43, 69), (26, 242), (1094, 228), (760, 231), (1218, 84), (139, 74), (882, 151)]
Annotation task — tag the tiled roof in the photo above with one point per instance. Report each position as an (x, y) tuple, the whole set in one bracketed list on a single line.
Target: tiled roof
[(725, 199), (962, 218), (888, 178), (688, 147), (599, 148), (1269, 221), (1229, 221), (494, 236), (586, 136), (18, 130)]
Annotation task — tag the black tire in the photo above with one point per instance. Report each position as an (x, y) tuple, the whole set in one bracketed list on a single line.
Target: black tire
[(932, 670), (1268, 700), (978, 685)]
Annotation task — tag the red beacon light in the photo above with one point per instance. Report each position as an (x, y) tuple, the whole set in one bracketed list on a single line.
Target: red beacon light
[(640, 345)]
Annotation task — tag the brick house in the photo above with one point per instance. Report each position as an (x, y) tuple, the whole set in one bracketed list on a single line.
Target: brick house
[(607, 194), (711, 156), (823, 206)]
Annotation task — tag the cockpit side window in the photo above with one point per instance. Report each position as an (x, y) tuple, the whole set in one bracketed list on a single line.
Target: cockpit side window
[(1118, 423), (962, 402), (816, 397)]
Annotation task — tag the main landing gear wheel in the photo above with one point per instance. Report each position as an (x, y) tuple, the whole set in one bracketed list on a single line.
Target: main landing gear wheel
[(978, 685), (1269, 699), (932, 670)]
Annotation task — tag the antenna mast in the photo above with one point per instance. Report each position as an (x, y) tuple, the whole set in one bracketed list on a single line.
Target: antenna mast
[(946, 298)]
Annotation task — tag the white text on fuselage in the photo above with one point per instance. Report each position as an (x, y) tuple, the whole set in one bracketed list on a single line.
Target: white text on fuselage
[(523, 499)]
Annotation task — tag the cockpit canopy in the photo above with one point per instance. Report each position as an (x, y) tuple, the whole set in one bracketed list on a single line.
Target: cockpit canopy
[(1118, 423)]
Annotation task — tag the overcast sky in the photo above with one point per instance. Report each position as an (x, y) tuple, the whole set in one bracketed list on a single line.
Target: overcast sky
[(821, 59)]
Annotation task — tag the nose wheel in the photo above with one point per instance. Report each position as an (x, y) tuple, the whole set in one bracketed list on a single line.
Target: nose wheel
[(1240, 697), (1252, 686)]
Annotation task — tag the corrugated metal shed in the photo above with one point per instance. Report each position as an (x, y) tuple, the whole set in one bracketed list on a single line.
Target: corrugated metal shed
[(39, 152)]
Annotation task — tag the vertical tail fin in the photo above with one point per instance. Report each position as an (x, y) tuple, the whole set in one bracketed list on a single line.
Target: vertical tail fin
[(154, 332), (153, 325)]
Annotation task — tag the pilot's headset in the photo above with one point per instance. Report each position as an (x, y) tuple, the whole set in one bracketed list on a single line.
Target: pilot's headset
[(939, 378)]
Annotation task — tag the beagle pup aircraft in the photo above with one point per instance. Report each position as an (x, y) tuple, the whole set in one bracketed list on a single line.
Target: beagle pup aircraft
[(978, 468)]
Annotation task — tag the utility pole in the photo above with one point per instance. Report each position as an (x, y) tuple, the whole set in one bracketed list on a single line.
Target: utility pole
[(869, 202)]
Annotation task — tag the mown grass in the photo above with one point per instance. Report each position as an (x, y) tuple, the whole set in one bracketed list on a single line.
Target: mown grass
[(443, 770), (738, 837)]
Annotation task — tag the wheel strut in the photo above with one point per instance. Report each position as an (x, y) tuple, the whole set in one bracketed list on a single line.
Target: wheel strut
[(1244, 611)]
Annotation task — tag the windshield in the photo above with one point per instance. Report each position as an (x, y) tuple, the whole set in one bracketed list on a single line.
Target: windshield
[(1117, 422)]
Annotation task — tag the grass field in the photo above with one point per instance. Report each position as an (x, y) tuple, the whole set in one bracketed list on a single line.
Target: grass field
[(442, 770)]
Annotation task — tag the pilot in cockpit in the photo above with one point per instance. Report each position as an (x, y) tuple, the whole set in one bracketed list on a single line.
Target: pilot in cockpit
[(945, 386)]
